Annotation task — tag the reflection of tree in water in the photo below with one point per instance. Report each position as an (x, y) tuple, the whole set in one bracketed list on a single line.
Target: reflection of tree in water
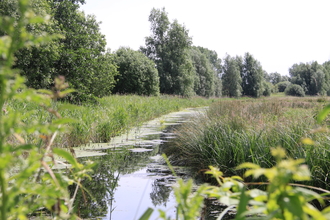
[(160, 192), (93, 199), (97, 193)]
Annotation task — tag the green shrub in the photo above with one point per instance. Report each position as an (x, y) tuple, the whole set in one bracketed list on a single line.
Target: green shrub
[(294, 90), (281, 86)]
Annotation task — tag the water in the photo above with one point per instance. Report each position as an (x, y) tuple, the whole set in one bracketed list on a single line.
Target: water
[(131, 175)]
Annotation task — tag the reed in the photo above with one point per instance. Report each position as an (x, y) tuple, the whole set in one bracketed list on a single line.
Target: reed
[(238, 131), (113, 115)]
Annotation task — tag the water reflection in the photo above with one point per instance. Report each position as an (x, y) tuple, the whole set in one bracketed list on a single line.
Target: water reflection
[(121, 181), (161, 191), (125, 183)]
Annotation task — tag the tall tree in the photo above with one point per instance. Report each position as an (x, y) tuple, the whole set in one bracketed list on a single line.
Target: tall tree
[(137, 73), (204, 83), (168, 46), (231, 77), (252, 76), (215, 62)]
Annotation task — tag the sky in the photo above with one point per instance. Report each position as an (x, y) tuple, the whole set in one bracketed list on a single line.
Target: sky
[(278, 33)]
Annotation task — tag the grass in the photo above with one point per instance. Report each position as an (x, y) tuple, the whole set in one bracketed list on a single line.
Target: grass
[(238, 131), (100, 122)]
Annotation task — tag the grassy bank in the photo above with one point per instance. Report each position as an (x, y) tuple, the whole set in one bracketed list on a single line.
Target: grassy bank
[(238, 131), (96, 123)]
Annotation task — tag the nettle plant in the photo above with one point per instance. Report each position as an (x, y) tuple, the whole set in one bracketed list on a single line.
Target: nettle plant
[(27, 181)]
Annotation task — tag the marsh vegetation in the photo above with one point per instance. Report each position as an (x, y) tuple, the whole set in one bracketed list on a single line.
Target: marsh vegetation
[(244, 130)]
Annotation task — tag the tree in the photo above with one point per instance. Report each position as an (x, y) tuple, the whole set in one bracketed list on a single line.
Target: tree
[(35, 62), (275, 78), (231, 77), (168, 46), (312, 77), (79, 55), (83, 60), (215, 63), (204, 83), (252, 77), (137, 73)]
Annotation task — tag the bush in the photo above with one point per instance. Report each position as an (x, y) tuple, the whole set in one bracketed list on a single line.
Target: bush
[(281, 86), (137, 73), (295, 90), (268, 87)]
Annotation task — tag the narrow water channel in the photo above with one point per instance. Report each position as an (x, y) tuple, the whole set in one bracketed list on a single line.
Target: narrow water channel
[(131, 175)]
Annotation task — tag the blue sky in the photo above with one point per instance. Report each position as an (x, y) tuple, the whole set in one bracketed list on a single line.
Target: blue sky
[(277, 33)]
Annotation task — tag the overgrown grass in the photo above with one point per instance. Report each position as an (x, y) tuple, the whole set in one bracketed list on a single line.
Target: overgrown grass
[(113, 115), (238, 131)]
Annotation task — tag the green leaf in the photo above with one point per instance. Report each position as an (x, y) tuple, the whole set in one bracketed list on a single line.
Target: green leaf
[(67, 156), (45, 91), (244, 200), (247, 166), (323, 114), (146, 215)]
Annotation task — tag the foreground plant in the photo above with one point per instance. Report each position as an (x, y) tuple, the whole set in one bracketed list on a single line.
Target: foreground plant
[(27, 180), (283, 198)]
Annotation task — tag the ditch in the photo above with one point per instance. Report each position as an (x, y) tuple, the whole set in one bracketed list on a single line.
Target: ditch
[(131, 174)]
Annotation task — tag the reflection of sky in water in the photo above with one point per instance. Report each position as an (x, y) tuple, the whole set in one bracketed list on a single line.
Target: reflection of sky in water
[(132, 197)]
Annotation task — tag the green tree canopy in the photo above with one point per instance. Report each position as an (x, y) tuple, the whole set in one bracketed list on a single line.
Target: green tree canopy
[(137, 73), (231, 77), (312, 77), (204, 83), (252, 76), (168, 46), (79, 55)]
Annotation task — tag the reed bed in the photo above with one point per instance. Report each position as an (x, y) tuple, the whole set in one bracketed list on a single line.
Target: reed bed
[(97, 123), (244, 130)]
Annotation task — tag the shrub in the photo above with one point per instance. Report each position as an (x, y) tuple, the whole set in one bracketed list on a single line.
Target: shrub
[(281, 86), (295, 90), (268, 87)]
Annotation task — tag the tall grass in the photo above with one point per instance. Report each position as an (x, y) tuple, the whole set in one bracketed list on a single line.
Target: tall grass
[(238, 131), (112, 115)]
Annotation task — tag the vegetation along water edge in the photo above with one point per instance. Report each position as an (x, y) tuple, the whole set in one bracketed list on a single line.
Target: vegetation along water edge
[(244, 130)]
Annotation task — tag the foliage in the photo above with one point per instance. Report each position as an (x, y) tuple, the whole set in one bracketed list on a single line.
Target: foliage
[(36, 63), (215, 63), (312, 77), (83, 60), (79, 54), (267, 88), (231, 78), (112, 115), (237, 131), (205, 76), (283, 198), (137, 73), (27, 181), (281, 86), (294, 90), (275, 78), (168, 47), (252, 76)]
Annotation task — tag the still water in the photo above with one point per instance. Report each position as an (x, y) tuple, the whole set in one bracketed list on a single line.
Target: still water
[(131, 174)]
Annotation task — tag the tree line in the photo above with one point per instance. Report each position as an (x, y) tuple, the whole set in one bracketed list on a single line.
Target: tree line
[(168, 63)]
